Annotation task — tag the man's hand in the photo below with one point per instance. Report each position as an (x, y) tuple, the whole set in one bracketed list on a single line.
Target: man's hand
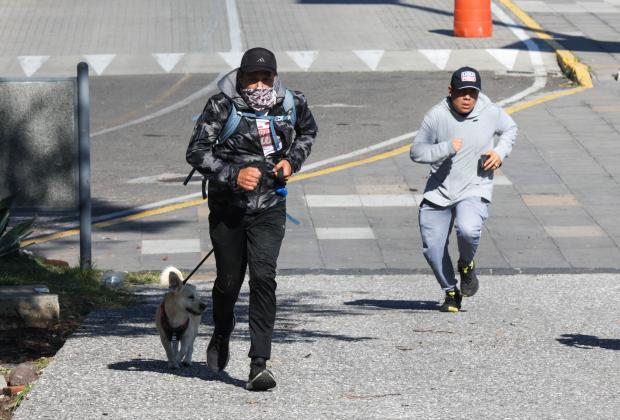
[(285, 166), (457, 144), (493, 161), (248, 178)]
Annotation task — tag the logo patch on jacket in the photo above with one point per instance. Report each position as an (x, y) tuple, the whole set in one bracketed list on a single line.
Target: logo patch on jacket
[(468, 76)]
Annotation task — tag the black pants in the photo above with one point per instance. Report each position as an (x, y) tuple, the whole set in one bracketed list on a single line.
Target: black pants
[(239, 240)]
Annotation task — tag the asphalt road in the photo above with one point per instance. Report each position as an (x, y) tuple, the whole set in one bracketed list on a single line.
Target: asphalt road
[(353, 110)]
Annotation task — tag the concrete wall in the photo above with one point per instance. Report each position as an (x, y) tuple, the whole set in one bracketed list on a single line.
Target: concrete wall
[(39, 143)]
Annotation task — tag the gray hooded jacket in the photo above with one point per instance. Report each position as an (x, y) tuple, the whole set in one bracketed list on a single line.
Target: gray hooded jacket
[(455, 176), (221, 163)]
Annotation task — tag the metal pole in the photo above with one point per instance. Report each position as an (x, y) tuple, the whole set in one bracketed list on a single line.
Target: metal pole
[(84, 159)]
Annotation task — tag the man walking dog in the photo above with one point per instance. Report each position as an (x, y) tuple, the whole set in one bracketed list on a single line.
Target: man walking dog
[(248, 140), (457, 139)]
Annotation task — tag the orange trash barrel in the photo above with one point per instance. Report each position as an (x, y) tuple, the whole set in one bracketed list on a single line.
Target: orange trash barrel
[(472, 18)]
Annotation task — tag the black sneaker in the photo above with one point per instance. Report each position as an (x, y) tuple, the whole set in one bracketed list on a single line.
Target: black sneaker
[(469, 279), (452, 302), (218, 352), (261, 378)]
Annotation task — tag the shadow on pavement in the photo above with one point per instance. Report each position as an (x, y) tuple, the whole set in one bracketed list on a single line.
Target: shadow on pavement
[(197, 370), (589, 341), (411, 305), (293, 324), (570, 42)]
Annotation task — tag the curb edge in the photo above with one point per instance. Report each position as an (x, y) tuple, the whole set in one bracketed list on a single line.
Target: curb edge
[(568, 62)]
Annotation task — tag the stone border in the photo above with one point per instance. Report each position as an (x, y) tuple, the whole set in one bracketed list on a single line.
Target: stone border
[(568, 62)]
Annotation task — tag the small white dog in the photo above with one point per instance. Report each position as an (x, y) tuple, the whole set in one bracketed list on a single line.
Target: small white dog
[(178, 317)]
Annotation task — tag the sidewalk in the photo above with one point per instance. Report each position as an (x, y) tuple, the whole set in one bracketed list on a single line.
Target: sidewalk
[(361, 347)]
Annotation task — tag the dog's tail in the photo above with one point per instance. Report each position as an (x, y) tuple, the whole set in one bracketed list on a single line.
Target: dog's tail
[(165, 277)]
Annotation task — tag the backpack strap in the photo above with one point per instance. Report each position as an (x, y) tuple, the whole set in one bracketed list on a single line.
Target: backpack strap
[(289, 106), (234, 118)]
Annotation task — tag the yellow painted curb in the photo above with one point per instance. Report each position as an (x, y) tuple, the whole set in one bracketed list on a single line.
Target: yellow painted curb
[(570, 65), (135, 216)]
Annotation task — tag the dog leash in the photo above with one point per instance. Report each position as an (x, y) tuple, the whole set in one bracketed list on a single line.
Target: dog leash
[(281, 190), (199, 264)]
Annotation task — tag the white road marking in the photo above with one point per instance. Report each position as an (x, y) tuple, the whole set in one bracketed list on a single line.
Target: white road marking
[(303, 59), (168, 61), (31, 63), (233, 58), (234, 26), (361, 200), (437, 57), (358, 152), (153, 179), (587, 231), (371, 58), (99, 62), (317, 200), (388, 200), (171, 108), (170, 246), (338, 105), (540, 74), (345, 233), (539, 83), (506, 57)]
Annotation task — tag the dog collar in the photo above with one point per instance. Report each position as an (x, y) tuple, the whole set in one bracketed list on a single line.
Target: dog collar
[(168, 329)]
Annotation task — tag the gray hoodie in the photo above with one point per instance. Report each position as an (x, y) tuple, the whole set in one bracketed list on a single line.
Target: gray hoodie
[(455, 176)]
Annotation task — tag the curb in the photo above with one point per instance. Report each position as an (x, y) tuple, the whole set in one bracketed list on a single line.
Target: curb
[(568, 62)]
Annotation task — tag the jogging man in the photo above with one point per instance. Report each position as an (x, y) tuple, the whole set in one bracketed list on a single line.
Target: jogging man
[(246, 170), (457, 139)]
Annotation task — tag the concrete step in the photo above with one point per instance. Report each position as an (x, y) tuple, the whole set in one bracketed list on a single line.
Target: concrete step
[(28, 306)]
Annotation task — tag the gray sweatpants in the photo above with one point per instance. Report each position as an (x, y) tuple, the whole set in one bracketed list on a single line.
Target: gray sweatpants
[(436, 223)]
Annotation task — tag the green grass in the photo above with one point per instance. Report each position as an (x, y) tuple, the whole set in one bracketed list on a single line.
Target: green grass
[(79, 291), (145, 277), (20, 397)]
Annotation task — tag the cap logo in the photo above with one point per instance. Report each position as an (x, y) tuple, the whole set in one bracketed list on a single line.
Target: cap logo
[(260, 60), (468, 76)]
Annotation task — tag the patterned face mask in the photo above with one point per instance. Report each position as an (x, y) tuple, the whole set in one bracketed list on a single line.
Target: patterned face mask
[(259, 99)]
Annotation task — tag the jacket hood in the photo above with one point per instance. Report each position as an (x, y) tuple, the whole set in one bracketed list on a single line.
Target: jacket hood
[(481, 104), (229, 86)]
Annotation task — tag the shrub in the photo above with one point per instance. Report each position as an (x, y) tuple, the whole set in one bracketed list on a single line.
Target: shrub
[(10, 239)]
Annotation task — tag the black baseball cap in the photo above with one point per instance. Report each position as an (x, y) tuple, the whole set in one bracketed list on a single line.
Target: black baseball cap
[(466, 77), (258, 59)]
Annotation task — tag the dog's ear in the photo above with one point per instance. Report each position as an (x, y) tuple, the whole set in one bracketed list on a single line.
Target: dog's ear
[(174, 281)]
